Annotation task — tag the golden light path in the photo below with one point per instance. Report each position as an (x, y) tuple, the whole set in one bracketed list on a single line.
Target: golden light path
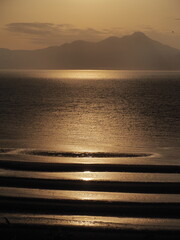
[(94, 176), (89, 195)]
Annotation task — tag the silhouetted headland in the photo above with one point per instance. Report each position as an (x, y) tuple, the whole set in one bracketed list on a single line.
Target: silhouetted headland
[(136, 51)]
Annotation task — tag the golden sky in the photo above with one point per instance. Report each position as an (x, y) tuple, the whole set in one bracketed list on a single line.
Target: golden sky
[(32, 24)]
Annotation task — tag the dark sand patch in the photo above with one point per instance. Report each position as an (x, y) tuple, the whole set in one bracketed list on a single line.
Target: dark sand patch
[(32, 232), (134, 187), (76, 167), (86, 154), (6, 150)]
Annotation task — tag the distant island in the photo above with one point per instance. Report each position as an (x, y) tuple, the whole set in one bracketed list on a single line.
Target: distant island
[(132, 52)]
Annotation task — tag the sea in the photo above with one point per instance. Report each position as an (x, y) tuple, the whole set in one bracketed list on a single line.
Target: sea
[(90, 137)]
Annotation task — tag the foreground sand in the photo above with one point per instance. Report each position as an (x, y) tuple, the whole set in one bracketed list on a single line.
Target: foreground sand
[(52, 197), (54, 233)]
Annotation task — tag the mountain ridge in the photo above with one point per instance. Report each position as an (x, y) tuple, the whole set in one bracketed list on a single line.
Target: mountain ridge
[(135, 51)]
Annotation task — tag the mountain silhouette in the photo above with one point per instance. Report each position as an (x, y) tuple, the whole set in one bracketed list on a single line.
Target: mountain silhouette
[(136, 51)]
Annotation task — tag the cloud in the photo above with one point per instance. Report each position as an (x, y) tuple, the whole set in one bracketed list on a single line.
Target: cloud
[(56, 34), (35, 28)]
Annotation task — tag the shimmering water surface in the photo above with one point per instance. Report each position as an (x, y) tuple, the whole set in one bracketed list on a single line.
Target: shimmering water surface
[(90, 111)]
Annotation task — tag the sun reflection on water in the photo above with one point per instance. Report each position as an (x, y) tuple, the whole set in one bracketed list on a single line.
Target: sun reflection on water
[(84, 74)]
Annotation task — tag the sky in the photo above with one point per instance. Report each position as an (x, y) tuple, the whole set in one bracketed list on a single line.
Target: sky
[(33, 24)]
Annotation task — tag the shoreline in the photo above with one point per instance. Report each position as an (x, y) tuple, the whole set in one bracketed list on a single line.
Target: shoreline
[(65, 231)]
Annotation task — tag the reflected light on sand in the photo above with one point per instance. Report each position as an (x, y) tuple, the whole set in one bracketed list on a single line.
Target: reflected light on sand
[(95, 221), (86, 178)]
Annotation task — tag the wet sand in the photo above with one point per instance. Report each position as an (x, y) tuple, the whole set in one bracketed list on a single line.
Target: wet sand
[(80, 227), (53, 197)]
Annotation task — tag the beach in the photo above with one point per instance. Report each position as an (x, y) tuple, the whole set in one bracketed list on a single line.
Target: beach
[(56, 203)]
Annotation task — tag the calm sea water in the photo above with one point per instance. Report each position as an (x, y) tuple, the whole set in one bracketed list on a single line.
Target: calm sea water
[(91, 111)]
